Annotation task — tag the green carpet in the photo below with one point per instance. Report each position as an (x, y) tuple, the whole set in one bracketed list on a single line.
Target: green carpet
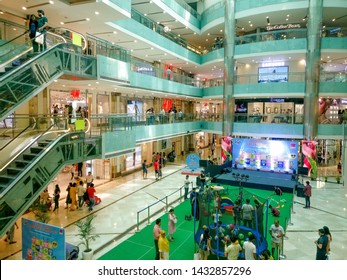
[(140, 246)]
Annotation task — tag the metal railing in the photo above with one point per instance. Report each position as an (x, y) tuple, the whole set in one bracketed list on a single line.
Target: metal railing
[(164, 200)]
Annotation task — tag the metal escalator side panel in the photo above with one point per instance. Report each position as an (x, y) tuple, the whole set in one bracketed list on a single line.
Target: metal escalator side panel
[(26, 188), (30, 78)]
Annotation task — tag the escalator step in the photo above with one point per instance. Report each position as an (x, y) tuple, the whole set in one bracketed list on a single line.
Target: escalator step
[(36, 150), (21, 163), (42, 144), (6, 178), (29, 156), (13, 170)]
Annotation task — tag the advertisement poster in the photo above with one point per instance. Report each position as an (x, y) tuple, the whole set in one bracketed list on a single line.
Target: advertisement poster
[(42, 241), (133, 160), (135, 108), (226, 149), (266, 155), (309, 153)]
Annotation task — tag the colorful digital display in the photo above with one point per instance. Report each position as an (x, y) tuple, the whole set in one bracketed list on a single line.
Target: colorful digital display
[(42, 241), (265, 155), (226, 149), (310, 156)]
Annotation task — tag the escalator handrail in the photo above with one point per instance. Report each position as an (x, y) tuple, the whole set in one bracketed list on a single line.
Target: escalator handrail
[(13, 39), (35, 161), (31, 40), (10, 73), (19, 134), (26, 147)]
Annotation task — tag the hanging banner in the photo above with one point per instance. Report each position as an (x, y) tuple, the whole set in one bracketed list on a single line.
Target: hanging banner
[(309, 153), (167, 104), (265, 155), (226, 149)]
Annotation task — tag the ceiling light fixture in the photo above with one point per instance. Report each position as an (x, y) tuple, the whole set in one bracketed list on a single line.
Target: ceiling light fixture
[(74, 21), (38, 5)]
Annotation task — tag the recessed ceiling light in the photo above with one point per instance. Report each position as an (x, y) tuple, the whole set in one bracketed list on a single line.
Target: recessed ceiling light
[(97, 13)]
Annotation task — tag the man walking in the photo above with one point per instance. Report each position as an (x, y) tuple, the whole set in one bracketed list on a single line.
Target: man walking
[(307, 194)]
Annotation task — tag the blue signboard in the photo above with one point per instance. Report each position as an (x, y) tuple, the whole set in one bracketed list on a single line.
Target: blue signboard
[(265, 155), (193, 161), (42, 241)]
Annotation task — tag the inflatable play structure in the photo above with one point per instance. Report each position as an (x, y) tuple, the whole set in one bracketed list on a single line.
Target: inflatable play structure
[(222, 223)]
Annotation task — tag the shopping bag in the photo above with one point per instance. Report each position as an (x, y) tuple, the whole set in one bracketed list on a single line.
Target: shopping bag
[(197, 256), (80, 125), (39, 38)]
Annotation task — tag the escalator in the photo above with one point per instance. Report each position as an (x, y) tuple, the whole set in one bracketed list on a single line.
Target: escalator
[(29, 173), (33, 72)]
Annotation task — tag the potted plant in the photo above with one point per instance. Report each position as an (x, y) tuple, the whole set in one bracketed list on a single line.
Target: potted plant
[(85, 228), (338, 179), (326, 179)]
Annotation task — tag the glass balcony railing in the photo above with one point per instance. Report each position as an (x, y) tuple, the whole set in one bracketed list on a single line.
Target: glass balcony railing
[(292, 77), (162, 30), (98, 46), (148, 69), (186, 6)]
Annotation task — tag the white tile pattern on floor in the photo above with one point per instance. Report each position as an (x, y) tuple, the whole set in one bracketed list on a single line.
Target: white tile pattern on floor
[(125, 196)]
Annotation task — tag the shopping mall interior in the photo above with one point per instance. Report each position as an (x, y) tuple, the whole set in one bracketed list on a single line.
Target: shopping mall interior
[(116, 81)]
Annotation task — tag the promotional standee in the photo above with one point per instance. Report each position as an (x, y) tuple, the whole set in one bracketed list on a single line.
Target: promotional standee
[(42, 241)]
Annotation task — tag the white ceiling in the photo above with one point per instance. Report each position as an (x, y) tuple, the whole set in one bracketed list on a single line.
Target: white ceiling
[(97, 25)]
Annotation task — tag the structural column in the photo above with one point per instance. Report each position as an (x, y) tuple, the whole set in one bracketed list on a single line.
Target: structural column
[(312, 72), (229, 64)]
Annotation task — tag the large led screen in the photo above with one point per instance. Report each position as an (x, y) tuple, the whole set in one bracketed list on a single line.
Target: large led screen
[(265, 155), (274, 74)]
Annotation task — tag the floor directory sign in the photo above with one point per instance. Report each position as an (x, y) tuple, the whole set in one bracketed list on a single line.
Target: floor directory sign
[(42, 241), (265, 155)]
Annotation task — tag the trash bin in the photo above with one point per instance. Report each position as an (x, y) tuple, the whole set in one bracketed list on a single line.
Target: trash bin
[(300, 190)]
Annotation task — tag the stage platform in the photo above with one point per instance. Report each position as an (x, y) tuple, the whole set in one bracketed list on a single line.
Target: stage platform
[(258, 179)]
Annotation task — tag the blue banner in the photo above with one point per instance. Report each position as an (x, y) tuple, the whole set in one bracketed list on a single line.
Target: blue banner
[(265, 155), (42, 241)]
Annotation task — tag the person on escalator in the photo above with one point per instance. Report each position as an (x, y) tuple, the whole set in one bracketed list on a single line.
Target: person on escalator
[(42, 24), (32, 32)]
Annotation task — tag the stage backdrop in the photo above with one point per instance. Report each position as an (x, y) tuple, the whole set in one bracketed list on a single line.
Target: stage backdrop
[(265, 155)]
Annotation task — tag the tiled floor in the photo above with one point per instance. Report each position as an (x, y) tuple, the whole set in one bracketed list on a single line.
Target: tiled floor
[(124, 197)]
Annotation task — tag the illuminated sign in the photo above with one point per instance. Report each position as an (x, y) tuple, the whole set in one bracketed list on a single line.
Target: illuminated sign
[(278, 100), (282, 26)]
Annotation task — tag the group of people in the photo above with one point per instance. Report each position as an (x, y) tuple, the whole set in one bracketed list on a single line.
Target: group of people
[(161, 242), (158, 161), (39, 24), (78, 194), (323, 243), (235, 248)]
